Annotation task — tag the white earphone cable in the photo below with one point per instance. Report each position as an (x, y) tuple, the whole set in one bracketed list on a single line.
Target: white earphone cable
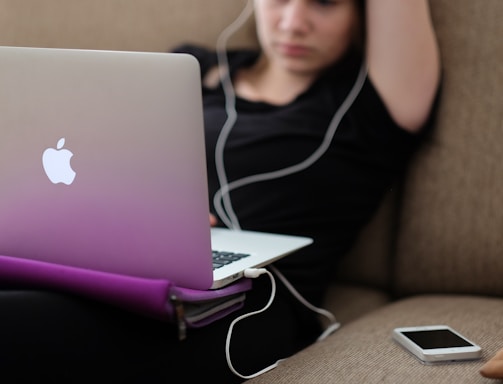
[(227, 215)]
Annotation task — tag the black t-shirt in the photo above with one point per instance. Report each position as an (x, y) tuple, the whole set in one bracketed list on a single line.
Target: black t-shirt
[(331, 200)]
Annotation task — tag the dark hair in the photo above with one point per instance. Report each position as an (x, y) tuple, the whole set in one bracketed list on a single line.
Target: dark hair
[(360, 41)]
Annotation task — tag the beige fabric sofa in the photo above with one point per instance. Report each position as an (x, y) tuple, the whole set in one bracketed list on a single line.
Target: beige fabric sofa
[(433, 252)]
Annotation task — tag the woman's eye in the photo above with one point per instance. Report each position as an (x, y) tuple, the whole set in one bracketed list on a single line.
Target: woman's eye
[(327, 2)]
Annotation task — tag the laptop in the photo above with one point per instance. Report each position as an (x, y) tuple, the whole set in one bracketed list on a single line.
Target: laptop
[(102, 166)]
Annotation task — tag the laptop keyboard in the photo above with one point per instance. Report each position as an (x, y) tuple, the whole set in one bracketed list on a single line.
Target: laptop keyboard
[(221, 258)]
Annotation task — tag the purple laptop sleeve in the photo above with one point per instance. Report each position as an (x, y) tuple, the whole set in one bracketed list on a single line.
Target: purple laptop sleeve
[(155, 298)]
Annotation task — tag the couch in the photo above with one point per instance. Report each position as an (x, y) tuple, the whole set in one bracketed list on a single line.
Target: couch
[(433, 252)]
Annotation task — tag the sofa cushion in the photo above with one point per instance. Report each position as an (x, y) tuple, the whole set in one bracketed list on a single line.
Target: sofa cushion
[(369, 261), (348, 302), (450, 237), (146, 25), (363, 351)]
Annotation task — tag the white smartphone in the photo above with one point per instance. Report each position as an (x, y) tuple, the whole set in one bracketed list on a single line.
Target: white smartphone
[(436, 343)]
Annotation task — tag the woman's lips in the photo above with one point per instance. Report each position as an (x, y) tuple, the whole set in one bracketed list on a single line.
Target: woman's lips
[(293, 50)]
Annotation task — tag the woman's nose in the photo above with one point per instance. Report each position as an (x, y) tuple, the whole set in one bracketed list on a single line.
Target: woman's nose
[(294, 17)]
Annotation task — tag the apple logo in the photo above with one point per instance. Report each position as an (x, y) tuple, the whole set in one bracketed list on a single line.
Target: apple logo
[(56, 162)]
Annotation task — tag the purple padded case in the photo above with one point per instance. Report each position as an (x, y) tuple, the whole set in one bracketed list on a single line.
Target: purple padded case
[(150, 297)]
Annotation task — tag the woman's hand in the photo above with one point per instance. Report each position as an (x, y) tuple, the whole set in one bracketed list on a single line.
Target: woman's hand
[(213, 220), (494, 367)]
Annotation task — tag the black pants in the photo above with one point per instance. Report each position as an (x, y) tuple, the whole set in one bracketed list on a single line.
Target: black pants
[(57, 338)]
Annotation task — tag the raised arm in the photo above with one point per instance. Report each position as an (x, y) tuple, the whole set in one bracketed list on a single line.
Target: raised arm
[(403, 58)]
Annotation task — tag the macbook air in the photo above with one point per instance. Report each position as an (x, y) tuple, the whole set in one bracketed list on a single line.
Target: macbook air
[(102, 166)]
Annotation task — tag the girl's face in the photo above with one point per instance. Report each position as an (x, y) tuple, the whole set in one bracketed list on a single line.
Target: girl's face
[(306, 36)]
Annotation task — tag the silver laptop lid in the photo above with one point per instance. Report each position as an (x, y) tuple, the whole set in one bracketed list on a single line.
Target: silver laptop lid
[(137, 203)]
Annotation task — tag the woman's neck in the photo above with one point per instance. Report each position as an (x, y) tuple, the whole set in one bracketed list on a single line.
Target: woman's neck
[(266, 82)]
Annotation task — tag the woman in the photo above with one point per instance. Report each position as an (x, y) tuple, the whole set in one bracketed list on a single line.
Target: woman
[(286, 98)]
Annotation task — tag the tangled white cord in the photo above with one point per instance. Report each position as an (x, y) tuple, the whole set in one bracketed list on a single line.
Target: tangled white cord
[(235, 321)]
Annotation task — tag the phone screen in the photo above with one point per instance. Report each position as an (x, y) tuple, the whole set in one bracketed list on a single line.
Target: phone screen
[(440, 338)]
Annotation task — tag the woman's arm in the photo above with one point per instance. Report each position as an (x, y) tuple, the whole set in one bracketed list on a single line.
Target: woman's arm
[(403, 58)]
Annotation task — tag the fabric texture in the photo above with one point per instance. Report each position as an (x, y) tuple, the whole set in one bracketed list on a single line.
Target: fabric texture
[(449, 237), (363, 351)]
